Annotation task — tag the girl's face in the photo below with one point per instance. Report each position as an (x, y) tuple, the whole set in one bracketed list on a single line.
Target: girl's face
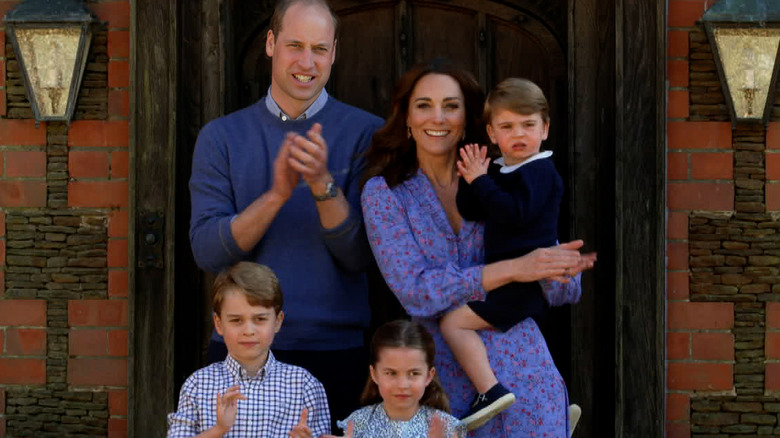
[(402, 374), (436, 116)]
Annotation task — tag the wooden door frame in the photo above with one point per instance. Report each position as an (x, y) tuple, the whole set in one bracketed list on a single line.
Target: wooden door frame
[(617, 102), (153, 104), (617, 67)]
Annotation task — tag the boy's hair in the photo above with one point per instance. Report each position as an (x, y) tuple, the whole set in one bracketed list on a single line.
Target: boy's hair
[(518, 95), (257, 282), (283, 5), (405, 334)]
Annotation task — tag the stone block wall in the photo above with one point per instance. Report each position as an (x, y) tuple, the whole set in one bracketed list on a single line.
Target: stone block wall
[(723, 250), (64, 212)]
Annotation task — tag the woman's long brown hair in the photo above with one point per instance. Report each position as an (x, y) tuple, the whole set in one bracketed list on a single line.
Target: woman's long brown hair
[(405, 334), (392, 154)]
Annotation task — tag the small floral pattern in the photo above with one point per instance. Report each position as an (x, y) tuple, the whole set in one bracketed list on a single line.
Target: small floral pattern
[(372, 422), (432, 270)]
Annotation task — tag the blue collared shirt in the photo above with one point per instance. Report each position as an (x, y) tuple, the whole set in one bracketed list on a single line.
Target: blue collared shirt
[(313, 109), (275, 396)]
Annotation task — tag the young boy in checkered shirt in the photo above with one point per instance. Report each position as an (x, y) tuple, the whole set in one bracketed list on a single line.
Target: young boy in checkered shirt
[(250, 393)]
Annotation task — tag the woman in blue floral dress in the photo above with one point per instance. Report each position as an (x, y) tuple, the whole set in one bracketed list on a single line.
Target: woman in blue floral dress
[(433, 260)]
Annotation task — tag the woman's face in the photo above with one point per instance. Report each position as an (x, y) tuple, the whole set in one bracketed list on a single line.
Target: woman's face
[(436, 116)]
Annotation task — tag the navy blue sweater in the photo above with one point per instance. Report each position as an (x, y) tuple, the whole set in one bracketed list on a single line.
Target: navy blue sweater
[(520, 209), (321, 271)]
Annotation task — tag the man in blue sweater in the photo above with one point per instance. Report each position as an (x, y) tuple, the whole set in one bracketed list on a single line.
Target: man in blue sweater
[(278, 183)]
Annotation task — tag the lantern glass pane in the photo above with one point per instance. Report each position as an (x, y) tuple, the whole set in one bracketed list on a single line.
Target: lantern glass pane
[(748, 59), (50, 58)]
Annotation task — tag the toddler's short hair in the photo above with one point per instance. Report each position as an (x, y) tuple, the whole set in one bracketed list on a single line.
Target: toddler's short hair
[(257, 282), (518, 95)]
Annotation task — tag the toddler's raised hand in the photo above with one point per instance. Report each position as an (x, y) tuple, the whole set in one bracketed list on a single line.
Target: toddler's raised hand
[(227, 407), (473, 162)]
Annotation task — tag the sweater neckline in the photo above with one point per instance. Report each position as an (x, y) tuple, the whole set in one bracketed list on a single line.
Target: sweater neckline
[(266, 116)]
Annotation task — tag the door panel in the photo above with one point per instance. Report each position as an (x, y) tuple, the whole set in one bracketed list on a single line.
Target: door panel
[(442, 31), (364, 72)]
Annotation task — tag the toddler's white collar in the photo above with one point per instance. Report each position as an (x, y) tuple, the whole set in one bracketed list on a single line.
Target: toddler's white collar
[(512, 168)]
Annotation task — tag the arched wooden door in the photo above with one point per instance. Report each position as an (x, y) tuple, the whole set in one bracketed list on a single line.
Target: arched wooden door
[(199, 59)]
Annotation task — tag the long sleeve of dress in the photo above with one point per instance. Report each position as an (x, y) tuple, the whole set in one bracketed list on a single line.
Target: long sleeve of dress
[(559, 294), (416, 263)]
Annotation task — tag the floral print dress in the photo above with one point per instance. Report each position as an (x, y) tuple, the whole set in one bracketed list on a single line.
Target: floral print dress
[(372, 422), (432, 271)]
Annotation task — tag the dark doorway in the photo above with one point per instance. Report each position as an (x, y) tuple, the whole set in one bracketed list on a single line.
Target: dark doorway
[(601, 62)]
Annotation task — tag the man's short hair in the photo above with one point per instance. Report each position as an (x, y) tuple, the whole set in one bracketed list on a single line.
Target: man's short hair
[(283, 5), (257, 282), (518, 95)]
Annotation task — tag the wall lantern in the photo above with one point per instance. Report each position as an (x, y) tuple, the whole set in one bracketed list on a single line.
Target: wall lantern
[(745, 35), (51, 39)]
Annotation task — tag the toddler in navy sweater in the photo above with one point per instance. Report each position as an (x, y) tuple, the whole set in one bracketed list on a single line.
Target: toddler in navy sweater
[(518, 197)]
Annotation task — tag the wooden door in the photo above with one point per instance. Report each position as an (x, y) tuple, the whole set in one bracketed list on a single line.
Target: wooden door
[(592, 59)]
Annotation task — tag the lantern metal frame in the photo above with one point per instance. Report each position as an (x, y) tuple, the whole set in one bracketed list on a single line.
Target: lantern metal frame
[(52, 14), (743, 14)]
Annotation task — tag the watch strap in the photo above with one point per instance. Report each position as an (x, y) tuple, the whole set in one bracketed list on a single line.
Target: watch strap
[(331, 191)]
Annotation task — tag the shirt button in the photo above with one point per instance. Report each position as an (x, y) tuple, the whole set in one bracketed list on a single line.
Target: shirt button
[(284, 118)]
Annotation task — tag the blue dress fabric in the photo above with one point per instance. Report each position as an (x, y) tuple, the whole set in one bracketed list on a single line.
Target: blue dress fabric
[(372, 422), (432, 271)]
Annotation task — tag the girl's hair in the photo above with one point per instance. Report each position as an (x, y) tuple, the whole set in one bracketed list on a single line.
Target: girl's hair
[(393, 154), (405, 334)]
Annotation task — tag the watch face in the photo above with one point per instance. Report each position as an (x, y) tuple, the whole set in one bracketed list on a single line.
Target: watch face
[(331, 191)]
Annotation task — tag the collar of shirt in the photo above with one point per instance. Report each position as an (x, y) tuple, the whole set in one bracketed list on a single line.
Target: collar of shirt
[(512, 168), (239, 373), (313, 109)]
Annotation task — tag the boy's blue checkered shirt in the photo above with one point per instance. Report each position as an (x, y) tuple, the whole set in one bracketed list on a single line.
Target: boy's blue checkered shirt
[(275, 398)]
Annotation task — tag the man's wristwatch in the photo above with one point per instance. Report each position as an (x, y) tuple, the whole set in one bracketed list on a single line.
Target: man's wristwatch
[(331, 191)]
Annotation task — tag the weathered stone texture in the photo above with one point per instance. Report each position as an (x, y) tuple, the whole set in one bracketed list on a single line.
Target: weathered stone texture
[(51, 413)]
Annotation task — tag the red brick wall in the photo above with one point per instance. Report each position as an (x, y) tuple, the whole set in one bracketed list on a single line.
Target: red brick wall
[(87, 163), (712, 339)]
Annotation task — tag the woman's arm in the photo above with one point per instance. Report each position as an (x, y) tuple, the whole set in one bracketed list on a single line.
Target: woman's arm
[(424, 285), (428, 286)]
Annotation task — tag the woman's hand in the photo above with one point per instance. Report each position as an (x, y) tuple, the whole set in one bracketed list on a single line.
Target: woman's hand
[(557, 263)]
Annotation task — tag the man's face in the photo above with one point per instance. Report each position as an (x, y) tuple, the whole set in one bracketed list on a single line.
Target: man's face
[(302, 55)]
